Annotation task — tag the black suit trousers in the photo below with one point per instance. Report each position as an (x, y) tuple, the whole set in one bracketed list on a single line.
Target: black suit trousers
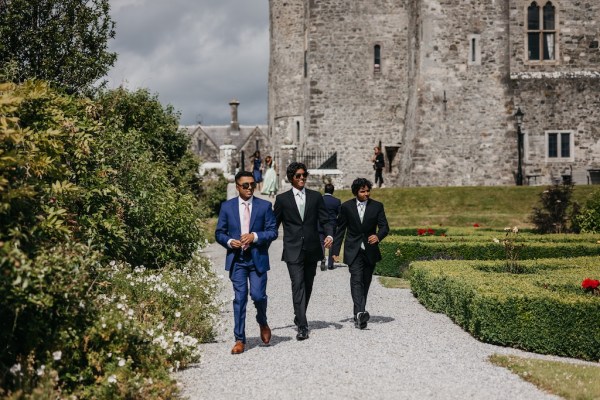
[(302, 274), (361, 275)]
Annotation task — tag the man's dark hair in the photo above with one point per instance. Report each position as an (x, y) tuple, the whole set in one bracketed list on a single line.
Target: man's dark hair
[(359, 183), (241, 174), (329, 188), (292, 168)]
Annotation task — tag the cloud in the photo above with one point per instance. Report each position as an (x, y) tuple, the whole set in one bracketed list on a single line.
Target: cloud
[(197, 55)]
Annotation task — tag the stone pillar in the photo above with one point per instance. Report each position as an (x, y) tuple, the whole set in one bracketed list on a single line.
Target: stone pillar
[(228, 158)]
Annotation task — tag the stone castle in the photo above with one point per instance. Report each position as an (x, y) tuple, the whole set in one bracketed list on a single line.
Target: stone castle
[(437, 84)]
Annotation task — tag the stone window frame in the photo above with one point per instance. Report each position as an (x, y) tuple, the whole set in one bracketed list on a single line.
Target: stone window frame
[(541, 4), (377, 66), (558, 157), (474, 49)]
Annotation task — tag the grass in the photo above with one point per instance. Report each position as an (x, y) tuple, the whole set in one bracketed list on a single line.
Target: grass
[(488, 206), (570, 381), (394, 283)]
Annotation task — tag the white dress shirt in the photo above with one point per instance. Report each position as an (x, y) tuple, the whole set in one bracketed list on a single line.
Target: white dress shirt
[(241, 209)]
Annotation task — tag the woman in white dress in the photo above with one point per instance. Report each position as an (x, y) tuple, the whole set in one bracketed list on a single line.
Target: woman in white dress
[(270, 184)]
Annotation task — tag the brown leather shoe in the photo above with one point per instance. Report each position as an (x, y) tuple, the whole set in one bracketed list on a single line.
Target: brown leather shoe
[(238, 348), (265, 333)]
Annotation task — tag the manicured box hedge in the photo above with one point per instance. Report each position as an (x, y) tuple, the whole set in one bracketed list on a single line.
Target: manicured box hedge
[(542, 310), (398, 252)]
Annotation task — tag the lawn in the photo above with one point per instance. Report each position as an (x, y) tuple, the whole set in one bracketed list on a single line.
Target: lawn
[(488, 206)]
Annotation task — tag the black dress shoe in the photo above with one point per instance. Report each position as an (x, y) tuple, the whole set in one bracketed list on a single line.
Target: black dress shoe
[(361, 320), (302, 334), (332, 267)]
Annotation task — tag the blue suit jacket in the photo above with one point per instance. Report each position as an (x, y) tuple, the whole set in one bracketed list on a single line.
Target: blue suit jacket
[(262, 222)]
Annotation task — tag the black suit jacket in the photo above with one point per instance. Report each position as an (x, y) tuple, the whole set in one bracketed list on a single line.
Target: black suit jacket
[(299, 235), (349, 225)]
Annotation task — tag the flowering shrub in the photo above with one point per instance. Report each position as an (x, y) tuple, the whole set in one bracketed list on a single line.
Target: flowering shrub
[(591, 286), (511, 249)]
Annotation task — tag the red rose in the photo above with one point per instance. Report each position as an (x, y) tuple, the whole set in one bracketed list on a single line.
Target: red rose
[(590, 284), (431, 231), (475, 225), (421, 232)]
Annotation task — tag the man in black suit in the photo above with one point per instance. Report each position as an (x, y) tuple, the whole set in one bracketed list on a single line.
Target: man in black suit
[(363, 222), (333, 205), (300, 210)]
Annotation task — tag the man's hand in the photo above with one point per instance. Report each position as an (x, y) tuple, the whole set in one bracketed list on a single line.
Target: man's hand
[(336, 258), (247, 239), (235, 244), (328, 242), (373, 239)]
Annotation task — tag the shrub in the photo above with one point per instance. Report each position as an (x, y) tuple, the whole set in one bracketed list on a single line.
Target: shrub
[(543, 309), (589, 218), (551, 216)]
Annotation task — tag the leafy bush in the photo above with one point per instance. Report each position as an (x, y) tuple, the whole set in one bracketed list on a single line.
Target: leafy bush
[(75, 192), (552, 215), (589, 218)]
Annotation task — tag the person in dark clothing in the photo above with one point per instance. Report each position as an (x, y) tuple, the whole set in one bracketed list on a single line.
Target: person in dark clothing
[(333, 205), (363, 223), (378, 165)]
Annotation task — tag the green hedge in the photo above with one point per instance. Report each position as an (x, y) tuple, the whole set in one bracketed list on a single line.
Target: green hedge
[(542, 310), (397, 254)]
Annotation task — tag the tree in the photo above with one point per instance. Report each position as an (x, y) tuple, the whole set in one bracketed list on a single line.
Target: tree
[(62, 41)]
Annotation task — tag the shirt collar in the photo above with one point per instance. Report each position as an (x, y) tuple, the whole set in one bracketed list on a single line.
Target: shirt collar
[(296, 191), (241, 201), (364, 203)]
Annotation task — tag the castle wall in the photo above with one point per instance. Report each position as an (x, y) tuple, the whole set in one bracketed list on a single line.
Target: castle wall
[(452, 75), (463, 133), (352, 106)]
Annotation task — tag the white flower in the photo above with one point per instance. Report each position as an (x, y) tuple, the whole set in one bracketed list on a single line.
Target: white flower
[(112, 379), (121, 362), (177, 314), (40, 370), (119, 326), (120, 306), (57, 355), (496, 240), (103, 325), (515, 229), (113, 263), (15, 368)]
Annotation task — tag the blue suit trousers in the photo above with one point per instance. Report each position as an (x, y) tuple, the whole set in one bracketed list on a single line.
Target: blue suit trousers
[(241, 274)]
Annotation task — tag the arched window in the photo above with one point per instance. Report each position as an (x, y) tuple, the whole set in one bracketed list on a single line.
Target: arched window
[(377, 58), (541, 32)]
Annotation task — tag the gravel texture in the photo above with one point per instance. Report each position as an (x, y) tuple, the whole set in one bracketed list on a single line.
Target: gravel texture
[(406, 352)]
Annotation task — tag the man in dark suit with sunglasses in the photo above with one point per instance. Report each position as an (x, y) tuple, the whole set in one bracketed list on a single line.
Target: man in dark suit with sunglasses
[(300, 210), (246, 228)]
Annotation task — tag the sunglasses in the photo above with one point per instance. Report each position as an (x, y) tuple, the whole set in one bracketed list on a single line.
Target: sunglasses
[(304, 175), (247, 185)]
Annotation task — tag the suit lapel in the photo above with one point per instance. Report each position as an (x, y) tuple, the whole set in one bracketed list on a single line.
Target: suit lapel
[(235, 207), (253, 213)]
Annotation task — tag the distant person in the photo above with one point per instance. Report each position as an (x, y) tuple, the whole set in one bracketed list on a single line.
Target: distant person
[(270, 184), (257, 168), (378, 165), (246, 227), (333, 205), (300, 210), (363, 223)]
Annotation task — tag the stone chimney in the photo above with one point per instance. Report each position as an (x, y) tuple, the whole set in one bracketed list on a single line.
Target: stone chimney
[(235, 125)]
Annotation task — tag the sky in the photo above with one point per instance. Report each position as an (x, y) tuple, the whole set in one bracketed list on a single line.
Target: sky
[(197, 55)]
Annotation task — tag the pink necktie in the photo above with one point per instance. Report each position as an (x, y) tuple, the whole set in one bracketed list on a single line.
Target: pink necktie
[(246, 221)]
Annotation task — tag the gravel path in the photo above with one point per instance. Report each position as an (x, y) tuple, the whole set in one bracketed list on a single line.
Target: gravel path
[(406, 352)]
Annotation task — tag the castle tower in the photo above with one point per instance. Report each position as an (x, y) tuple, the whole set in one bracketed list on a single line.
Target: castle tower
[(286, 76)]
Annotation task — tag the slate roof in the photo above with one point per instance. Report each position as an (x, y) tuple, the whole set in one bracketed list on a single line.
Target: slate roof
[(219, 134)]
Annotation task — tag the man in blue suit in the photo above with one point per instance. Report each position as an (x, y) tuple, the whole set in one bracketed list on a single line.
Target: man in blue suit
[(246, 228)]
